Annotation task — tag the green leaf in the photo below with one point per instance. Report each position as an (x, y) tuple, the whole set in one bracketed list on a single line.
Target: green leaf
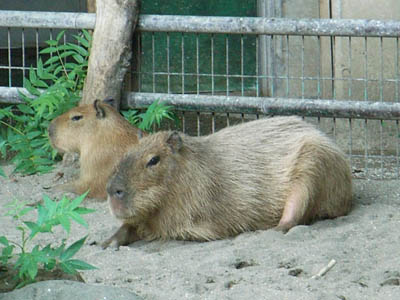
[(43, 215), (30, 88), (82, 51), (4, 241), (72, 250), (2, 173), (87, 35), (79, 59), (51, 43), (52, 60), (33, 227), (82, 40), (48, 50), (60, 35), (83, 210), (77, 218), (25, 109), (67, 268), (65, 223), (50, 205), (80, 265), (77, 201), (31, 135)]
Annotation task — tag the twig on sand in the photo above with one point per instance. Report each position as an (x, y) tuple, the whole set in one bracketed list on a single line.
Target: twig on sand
[(325, 269)]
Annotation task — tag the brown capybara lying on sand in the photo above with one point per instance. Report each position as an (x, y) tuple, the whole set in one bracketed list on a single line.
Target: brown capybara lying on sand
[(270, 173), (101, 136)]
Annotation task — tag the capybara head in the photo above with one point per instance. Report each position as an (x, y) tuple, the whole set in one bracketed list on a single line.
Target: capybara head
[(82, 124), (142, 178)]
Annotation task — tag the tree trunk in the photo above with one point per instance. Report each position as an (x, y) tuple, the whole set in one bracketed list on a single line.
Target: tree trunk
[(111, 49), (91, 6)]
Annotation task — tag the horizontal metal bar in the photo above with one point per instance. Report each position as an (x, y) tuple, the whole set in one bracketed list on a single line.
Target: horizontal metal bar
[(42, 19), (279, 26), (204, 24), (250, 105), (270, 106)]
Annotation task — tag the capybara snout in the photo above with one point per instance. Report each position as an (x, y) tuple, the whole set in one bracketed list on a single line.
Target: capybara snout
[(269, 173)]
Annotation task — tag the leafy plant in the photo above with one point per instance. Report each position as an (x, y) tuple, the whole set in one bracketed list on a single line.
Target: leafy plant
[(50, 214), (54, 87), (153, 116)]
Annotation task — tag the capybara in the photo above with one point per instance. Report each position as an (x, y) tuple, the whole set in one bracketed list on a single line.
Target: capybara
[(270, 173), (100, 135)]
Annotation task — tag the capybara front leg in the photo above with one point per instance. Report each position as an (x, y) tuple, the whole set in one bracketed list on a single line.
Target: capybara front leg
[(125, 235), (294, 209)]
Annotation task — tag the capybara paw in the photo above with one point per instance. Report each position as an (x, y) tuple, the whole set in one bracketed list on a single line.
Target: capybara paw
[(111, 242), (284, 228), (70, 158)]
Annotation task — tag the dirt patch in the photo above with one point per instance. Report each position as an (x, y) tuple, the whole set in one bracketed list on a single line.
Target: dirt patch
[(260, 265)]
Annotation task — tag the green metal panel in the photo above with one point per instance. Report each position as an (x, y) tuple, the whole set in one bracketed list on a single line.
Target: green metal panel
[(211, 63)]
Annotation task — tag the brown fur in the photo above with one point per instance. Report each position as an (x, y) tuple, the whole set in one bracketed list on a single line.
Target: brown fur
[(101, 137), (274, 172)]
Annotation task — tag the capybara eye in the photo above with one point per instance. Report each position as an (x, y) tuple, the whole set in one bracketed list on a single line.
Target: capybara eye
[(153, 161), (119, 193), (76, 118)]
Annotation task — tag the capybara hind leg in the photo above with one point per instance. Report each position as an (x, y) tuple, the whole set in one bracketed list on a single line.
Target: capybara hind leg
[(294, 209), (125, 235)]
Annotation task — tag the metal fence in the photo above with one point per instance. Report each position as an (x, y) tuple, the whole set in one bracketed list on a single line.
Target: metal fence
[(342, 75)]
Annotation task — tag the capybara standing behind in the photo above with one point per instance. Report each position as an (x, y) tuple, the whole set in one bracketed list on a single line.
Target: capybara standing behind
[(100, 135), (270, 173)]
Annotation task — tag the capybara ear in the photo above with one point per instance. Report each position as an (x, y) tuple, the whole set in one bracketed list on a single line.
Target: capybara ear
[(100, 113), (110, 101), (175, 141)]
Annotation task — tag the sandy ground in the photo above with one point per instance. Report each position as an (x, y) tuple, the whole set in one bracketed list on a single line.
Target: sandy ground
[(254, 265)]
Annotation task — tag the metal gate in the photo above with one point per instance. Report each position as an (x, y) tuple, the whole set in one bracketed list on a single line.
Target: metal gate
[(342, 75)]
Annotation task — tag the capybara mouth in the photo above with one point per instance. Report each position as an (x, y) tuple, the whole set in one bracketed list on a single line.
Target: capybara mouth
[(118, 209)]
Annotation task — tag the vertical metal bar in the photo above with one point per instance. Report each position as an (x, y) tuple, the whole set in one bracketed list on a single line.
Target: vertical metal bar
[(350, 142), (9, 56), (23, 52), (183, 122), (287, 66), (242, 64), (272, 74), (257, 67), (197, 64), (334, 129), (302, 66), (381, 145), (397, 148), (319, 70), (37, 44), (366, 69), (139, 61), (212, 122), (183, 62), (168, 67), (333, 40), (366, 147), (350, 70), (397, 71), (212, 66), (227, 64), (227, 119), (198, 123), (153, 61), (381, 69)]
